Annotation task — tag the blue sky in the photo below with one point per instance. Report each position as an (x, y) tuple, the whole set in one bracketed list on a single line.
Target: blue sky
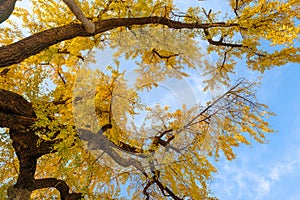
[(260, 171), (270, 171)]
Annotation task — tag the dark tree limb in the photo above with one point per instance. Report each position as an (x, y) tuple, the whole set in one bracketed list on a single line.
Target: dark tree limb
[(14, 104), (29, 147), (25, 143), (32, 45), (18, 115), (219, 42), (96, 141), (163, 56), (15, 121), (60, 185), (155, 179), (100, 142), (15, 111), (69, 53)]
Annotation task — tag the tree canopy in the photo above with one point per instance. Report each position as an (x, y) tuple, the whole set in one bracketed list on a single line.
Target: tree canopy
[(71, 130)]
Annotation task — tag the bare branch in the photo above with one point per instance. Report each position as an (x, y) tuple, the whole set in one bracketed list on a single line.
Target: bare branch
[(224, 61), (220, 42), (69, 53), (163, 56), (210, 106)]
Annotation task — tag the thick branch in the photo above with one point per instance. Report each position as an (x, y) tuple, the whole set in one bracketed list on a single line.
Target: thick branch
[(15, 111), (96, 141), (15, 104), (60, 185), (100, 142), (88, 25), (18, 115), (32, 45), (15, 121), (25, 143)]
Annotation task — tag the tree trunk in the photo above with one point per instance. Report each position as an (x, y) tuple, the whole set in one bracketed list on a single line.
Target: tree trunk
[(18, 194), (18, 115)]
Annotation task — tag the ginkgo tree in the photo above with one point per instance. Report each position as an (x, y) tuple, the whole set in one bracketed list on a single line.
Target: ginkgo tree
[(69, 131)]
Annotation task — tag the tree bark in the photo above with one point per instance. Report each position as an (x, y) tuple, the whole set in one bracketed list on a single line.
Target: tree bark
[(18, 115), (18, 193), (32, 45), (29, 147)]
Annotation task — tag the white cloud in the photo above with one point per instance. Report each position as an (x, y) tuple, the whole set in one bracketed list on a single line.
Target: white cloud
[(280, 170), (240, 183), (245, 178), (285, 167)]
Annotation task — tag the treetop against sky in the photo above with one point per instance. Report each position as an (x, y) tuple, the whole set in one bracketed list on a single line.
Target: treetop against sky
[(89, 131)]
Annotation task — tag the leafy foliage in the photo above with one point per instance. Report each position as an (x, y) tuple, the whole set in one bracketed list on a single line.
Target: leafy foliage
[(171, 153)]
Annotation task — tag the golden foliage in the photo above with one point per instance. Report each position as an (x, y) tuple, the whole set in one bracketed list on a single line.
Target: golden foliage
[(65, 92)]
